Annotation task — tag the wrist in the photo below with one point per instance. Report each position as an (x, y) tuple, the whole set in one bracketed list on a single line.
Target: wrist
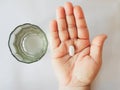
[(74, 88)]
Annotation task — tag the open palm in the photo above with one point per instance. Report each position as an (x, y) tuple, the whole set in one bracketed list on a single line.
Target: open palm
[(70, 29)]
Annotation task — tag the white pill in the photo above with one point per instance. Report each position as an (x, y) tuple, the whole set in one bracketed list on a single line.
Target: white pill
[(71, 50)]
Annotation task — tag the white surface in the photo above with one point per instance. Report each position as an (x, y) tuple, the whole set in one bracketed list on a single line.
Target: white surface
[(103, 16)]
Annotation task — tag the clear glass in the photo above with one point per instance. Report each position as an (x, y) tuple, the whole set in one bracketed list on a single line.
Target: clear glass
[(28, 43)]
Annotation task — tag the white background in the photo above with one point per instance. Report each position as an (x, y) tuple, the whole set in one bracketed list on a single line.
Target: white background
[(103, 16)]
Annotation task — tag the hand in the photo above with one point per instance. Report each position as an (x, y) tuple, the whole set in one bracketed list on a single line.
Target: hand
[(70, 29)]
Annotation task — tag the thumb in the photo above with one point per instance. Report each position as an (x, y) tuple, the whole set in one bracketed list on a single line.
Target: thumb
[(96, 47)]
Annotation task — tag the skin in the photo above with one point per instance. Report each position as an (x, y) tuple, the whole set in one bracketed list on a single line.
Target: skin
[(69, 28)]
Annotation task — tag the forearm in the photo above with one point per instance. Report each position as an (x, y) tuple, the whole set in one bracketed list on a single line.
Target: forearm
[(74, 88)]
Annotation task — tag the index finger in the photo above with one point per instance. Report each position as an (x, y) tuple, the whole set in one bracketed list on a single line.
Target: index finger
[(81, 23)]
